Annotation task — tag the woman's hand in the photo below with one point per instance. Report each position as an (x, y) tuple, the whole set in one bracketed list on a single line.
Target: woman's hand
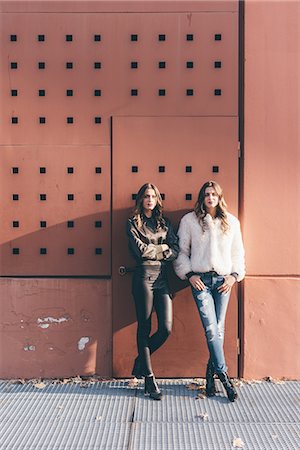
[(197, 283), (229, 281)]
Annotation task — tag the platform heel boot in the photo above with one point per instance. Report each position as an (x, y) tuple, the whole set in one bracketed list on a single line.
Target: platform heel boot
[(229, 388), (210, 381), (151, 388)]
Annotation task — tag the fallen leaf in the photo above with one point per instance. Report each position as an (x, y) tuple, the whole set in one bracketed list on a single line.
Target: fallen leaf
[(200, 396), (39, 385), (98, 418), (203, 416), (195, 387), (238, 443), (133, 382)]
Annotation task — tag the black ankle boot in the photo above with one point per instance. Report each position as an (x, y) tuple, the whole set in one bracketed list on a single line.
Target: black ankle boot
[(210, 381), (137, 369), (229, 388), (151, 388)]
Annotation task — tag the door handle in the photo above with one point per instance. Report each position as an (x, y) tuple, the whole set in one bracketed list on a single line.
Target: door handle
[(123, 270)]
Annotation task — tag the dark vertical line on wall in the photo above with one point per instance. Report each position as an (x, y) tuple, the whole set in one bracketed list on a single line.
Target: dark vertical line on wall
[(241, 174), (111, 241)]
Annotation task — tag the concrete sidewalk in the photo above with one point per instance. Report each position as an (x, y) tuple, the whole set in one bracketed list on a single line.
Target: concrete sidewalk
[(105, 415)]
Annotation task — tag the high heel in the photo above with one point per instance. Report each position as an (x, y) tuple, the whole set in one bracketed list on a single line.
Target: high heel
[(229, 388), (151, 388), (210, 381), (137, 369)]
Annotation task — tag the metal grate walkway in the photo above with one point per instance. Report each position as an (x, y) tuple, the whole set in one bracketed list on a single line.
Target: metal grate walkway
[(110, 415)]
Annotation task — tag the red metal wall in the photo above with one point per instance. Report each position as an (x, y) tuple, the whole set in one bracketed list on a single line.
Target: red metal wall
[(272, 189)]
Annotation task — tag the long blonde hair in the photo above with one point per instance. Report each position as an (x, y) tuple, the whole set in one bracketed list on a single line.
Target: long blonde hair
[(138, 210), (221, 209)]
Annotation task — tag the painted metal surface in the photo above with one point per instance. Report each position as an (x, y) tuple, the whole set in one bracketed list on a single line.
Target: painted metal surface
[(68, 67), (171, 143), (55, 327), (111, 415), (272, 189)]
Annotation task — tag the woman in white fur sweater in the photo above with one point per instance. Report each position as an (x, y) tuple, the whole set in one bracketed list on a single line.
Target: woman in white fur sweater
[(211, 257)]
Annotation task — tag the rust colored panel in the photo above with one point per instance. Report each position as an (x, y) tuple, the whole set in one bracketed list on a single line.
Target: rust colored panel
[(115, 52), (119, 6), (272, 320), (272, 136), (175, 143), (57, 223), (55, 328)]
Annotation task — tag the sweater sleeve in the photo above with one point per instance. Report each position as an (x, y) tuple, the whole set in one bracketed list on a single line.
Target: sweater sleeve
[(182, 265), (238, 253), (141, 249)]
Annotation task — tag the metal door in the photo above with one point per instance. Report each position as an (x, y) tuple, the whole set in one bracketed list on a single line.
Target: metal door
[(178, 154)]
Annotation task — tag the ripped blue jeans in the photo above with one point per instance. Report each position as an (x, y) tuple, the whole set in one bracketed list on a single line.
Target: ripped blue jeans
[(212, 307)]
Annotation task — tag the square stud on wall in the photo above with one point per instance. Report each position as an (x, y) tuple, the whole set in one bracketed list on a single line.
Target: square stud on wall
[(15, 251), (97, 119), (70, 197), (14, 92), (134, 64), (97, 37), (188, 169), (15, 170), (41, 65), (190, 92), (69, 65), (98, 251), (14, 65), (133, 37), (70, 169), (15, 224), (97, 65), (70, 120), (43, 197), (70, 223), (41, 38), (161, 37), (42, 92), (14, 120), (134, 92), (69, 92), (98, 170), (97, 92), (161, 169), (42, 120), (189, 64), (218, 92), (43, 251), (98, 224), (42, 169), (43, 224), (133, 196), (215, 169), (70, 251), (98, 197), (218, 37), (134, 169), (188, 196), (161, 92), (218, 64), (13, 38), (15, 197), (69, 37), (189, 37), (162, 64)]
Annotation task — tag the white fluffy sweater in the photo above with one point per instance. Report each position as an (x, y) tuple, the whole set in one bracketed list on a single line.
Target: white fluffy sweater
[(211, 249)]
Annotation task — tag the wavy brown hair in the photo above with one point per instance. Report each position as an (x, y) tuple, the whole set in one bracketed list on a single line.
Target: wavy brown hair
[(138, 210), (221, 210)]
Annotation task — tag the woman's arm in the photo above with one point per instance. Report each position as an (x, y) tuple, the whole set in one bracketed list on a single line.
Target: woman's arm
[(142, 250), (172, 251), (182, 265), (238, 254)]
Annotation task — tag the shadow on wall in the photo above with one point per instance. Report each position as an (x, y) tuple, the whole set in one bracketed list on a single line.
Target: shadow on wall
[(79, 246)]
